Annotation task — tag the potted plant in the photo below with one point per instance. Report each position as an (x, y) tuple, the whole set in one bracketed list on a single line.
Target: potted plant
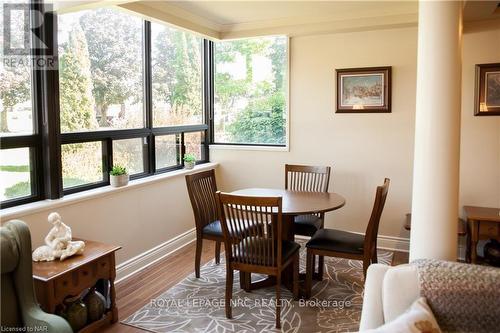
[(118, 176), (189, 161)]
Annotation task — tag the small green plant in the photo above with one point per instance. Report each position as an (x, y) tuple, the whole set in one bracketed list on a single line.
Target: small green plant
[(189, 158), (118, 170)]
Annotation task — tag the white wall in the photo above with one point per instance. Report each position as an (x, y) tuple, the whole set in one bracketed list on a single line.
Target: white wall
[(365, 148), (480, 136)]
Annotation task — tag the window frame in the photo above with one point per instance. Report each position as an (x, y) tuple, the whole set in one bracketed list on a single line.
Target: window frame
[(254, 146), (46, 141)]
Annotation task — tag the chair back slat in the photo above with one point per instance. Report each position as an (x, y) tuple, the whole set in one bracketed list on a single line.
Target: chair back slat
[(251, 228), (307, 178), (201, 189), (370, 244)]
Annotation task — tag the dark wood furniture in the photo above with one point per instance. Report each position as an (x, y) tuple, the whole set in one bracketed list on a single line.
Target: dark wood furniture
[(343, 244), (56, 280), (308, 179), (461, 228), (201, 189), (294, 203), (482, 223), (259, 247)]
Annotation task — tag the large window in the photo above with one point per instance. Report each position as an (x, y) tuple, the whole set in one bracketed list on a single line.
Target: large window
[(18, 133), (250, 91), (129, 93), (100, 70), (126, 86), (176, 62)]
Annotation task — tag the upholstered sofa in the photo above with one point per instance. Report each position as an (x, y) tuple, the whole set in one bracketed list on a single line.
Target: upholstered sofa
[(19, 307), (462, 297)]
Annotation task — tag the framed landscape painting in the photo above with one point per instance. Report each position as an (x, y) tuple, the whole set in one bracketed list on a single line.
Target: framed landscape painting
[(487, 94), (364, 90)]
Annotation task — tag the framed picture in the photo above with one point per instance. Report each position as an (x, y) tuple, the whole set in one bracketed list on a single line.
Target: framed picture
[(487, 94), (364, 90)]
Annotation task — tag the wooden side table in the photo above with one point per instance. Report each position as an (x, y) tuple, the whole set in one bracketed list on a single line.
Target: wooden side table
[(56, 280), (483, 223)]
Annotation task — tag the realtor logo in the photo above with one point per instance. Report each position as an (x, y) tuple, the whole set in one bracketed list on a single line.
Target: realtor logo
[(22, 37)]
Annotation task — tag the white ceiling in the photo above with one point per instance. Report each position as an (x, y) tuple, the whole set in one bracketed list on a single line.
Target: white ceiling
[(233, 19), (238, 12)]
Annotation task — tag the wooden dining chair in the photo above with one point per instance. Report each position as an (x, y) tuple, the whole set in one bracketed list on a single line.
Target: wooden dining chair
[(308, 179), (260, 247), (201, 189), (349, 245)]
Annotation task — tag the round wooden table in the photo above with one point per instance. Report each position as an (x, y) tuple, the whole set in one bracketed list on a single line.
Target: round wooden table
[(294, 203), (299, 203)]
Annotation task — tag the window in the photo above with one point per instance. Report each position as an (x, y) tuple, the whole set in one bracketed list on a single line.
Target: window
[(15, 180), (100, 70), (19, 138), (176, 64), (250, 91), (194, 144), (129, 152), (167, 151), (81, 164)]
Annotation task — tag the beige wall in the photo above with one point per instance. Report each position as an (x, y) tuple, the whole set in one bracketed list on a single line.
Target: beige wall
[(480, 137), (365, 148)]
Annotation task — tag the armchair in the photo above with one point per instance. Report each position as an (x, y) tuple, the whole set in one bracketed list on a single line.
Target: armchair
[(19, 307)]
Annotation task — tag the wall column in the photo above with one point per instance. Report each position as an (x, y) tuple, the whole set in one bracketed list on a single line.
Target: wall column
[(437, 131)]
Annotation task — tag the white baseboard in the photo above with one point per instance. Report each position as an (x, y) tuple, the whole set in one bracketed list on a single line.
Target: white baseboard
[(145, 259)]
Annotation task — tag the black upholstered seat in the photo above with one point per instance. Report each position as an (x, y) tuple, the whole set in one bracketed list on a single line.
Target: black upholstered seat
[(255, 254), (213, 228), (337, 241), (307, 225)]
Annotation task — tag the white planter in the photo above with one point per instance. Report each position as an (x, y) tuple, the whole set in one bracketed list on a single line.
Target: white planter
[(189, 165), (118, 181)]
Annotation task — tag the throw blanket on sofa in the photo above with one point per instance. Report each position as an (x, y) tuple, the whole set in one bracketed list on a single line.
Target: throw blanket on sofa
[(463, 297)]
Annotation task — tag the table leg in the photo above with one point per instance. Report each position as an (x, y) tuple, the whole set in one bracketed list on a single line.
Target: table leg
[(287, 234), (468, 245), (112, 276), (474, 225)]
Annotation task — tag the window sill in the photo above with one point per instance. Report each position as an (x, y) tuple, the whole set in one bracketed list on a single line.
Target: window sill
[(248, 147), (38, 206)]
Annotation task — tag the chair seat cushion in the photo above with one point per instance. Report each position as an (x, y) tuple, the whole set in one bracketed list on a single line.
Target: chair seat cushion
[(337, 240), (214, 228), (252, 251), (306, 225)]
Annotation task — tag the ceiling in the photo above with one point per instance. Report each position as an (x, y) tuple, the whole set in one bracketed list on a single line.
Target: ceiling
[(234, 19)]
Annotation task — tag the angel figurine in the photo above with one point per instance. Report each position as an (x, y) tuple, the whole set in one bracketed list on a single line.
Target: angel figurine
[(58, 243)]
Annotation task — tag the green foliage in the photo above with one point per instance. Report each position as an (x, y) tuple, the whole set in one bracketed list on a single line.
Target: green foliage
[(177, 74), (262, 120), (189, 158), (15, 168), (115, 46), (76, 102), (118, 170), (17, 190)]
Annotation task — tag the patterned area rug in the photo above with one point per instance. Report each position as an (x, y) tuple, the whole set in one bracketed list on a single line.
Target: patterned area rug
[(197, 305)]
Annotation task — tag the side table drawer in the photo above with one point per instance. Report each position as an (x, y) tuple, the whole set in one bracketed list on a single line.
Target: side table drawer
[(489, 229)]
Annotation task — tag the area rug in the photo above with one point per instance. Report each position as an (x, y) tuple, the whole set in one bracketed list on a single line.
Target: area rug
[(197, 305)]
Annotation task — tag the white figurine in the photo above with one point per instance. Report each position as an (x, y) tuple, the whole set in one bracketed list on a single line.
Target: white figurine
[(58, 242)]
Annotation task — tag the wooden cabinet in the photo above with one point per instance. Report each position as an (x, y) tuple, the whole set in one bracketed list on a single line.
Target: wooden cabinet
[(483, 223), (56, 280)]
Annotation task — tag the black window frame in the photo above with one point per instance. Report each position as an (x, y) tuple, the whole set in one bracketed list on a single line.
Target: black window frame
[(46, 141)]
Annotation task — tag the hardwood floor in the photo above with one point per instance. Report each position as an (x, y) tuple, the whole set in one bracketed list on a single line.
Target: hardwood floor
[(137, 291)]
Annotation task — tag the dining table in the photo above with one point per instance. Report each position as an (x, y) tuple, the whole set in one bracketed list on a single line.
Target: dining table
[(294, 203)]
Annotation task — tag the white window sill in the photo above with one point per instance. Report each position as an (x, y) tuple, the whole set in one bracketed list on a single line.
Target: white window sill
[(254, 148), (37, 206)]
